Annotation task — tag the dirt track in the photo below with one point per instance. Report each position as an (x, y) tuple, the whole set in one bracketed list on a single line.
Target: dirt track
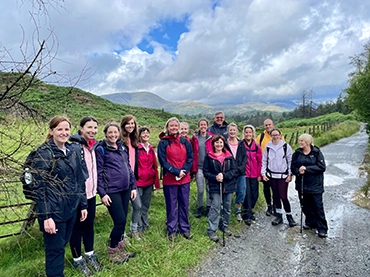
[(266, 250)]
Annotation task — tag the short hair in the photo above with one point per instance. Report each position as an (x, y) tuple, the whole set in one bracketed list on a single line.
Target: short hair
[(216, 138), (307, 138), (220, 112), (249, 126), (275, 129), (110, 124), (184, 123), (232, 124), (168, 121)]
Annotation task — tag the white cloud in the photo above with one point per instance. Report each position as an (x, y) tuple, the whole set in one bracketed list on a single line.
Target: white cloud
[(234, 51)]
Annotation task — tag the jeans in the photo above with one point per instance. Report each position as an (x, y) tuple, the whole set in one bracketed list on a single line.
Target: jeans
[(214, 221), (145, 194), (136, 214), (240, 189)]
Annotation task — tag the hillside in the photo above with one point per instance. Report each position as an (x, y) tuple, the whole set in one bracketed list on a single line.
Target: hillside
[(151, 100)]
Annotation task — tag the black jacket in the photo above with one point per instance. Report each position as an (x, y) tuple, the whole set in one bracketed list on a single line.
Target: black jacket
[(212, 167), (59, 184), (313, 179)]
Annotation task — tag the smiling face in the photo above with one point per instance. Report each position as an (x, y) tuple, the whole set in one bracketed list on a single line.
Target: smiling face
[(173, 127), (275, 136), (232, 131), (203, 125), (218, 145), (184, 129), (144, 136), (130, 126), (112, 135), (303, 144), (219, 119), (268, 125), (248, 134), (61, 133), (89, 130)]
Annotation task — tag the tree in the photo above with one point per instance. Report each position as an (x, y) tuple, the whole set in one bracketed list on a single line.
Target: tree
[(359, 84)]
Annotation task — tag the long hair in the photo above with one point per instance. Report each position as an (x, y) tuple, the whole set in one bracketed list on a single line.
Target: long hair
[(54, 122), (216, 138), (134, 135)]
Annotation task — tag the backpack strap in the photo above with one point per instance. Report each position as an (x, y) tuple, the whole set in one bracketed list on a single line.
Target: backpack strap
[(284, 157), (262, 137)]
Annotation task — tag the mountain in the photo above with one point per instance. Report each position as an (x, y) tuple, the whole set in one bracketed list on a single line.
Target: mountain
[(151, 100)]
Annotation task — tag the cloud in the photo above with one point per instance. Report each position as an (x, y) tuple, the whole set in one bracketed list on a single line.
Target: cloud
[(227, 52)]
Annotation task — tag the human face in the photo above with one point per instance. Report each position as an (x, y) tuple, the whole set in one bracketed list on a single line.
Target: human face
[(232, 131), (184, 130), (219, 119), (275, 136), (130, 126), (219, 145), (268, 125), (89, 130), (303, 144), (112, 135), (61, 134), (173, 127), (248, 134), (144, 137), (203, 126)]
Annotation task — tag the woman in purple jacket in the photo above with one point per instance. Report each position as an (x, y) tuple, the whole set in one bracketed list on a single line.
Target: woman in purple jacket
[(116, 185)]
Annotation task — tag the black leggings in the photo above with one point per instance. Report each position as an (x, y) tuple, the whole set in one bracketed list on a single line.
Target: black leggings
[(84, 230), (118, 211), (280, 193)]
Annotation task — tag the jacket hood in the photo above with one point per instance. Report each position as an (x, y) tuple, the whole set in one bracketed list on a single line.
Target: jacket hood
[(212, 154)]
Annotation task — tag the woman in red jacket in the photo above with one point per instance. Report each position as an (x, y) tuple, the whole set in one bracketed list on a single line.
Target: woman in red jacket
[(147, 175)]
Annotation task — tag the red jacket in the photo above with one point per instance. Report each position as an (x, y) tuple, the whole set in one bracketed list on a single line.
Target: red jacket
[(254, 160), (147, 167)]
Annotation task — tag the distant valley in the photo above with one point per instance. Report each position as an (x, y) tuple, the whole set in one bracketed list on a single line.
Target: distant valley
[(151, 100)]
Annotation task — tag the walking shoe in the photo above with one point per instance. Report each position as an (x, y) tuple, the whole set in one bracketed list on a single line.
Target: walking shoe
[(322, 234), (117, 257), (239, 217), (269, 210), (171, 237), (122, 249), (248, 222), (135, 235), (126, 239), (291, 221), (81, 265), (93, 261), (213, 236), (278, 220), (227, 231), (187, 235), (199, 212)]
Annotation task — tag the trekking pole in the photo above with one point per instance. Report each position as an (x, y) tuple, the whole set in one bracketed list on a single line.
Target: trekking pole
[(301, 205), (222, 216)]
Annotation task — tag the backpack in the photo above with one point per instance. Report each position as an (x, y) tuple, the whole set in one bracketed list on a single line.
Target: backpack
[(261, 138), (27, 178), (284, 157)]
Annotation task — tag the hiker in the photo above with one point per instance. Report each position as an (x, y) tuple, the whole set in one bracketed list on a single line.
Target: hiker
[(198, 143), (116, 186), (276, 162), (175, 156), (59, 191), (148, 178), (262, 140), (84, 231), (219, 126), (130, 137), (252, 172), (220, 171), (308, 165)]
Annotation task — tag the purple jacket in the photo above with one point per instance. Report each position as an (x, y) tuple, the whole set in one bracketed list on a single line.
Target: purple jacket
[(114, 171)]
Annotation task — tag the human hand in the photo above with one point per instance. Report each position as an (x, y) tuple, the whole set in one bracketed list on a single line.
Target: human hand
[(133, 194), (83, 215), (49, 226), (106, 200)]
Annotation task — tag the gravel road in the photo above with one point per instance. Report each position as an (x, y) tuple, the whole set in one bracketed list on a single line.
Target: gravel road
[(266, 250)]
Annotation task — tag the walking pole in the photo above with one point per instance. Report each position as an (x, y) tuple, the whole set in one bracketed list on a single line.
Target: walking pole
[(301, 206), (222, 216)]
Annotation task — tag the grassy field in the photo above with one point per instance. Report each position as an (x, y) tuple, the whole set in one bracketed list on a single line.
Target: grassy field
[(155, 256)]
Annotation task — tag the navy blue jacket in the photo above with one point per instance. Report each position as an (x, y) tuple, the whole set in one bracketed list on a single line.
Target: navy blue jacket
[(114, 171), (215, 129), (59, 192), (313, 180)]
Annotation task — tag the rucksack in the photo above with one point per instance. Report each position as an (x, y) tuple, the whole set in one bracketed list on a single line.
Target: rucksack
[(284, 157), (27, 177), (261, 138)]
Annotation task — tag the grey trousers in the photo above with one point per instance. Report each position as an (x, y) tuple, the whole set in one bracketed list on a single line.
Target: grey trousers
[(214, 220), (201, 186)]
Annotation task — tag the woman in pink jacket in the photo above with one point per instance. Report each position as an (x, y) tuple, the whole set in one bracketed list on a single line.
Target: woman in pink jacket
[(147, 175), (252, 172)]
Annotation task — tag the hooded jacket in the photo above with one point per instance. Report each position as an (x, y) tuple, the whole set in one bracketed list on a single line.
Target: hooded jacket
[(313, 178), (215, 129), (212, 167), (114, 170), (275, 162), (61, 191), (147, 167), (90, 168), (174, 154), (254, 159)]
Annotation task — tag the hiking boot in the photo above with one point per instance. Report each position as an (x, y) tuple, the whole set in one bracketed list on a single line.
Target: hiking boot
[(126, 240), (227, 231), (199, 212), (239, 217), (291, 221), (93, 261), (248, 222), (122, 249), (278, 219), (213, 236), (135, 235), (171, 237), (269, 210), (187, 235), (322, 234), (117, 257), (81, 265)]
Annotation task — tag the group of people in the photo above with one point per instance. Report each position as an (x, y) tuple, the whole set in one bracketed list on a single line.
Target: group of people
[(122, 168)]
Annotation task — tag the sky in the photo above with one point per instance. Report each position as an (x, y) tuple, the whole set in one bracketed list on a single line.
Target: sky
[(216, 52)]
